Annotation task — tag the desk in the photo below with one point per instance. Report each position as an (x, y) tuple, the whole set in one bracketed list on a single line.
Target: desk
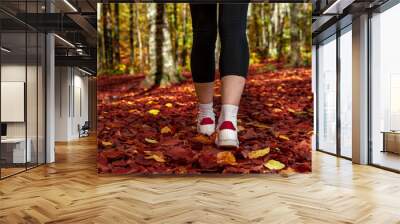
[(15, 148)]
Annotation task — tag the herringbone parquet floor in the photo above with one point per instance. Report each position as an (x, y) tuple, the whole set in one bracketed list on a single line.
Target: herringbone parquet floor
[(70, 191)]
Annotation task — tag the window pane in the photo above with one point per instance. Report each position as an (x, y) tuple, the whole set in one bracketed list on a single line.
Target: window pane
[(327, 96), (385, 89), (14, 153), (346, 93)]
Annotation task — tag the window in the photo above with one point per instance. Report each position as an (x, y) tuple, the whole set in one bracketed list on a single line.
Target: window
[(327, 95), (346, 92), (22, 77), (385, 89)]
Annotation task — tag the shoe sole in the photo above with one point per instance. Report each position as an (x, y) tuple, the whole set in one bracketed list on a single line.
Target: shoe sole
[(227, 144), (228, 140)]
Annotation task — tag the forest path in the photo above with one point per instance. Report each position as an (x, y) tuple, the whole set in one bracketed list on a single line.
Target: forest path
[(155, 131)]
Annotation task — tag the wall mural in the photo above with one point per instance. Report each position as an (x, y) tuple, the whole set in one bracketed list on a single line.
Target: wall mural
[(153, 119)]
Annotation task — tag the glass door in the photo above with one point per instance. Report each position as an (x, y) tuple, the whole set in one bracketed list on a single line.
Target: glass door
[(385, 89), (326, 96)]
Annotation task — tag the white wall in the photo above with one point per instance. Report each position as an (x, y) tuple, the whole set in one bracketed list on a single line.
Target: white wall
[(71, 93), (33, 127)]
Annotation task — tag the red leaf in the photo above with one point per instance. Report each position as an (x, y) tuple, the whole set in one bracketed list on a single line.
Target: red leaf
[(113, 154), (208, 159), (250, 134), (119, 163), (180, 154)]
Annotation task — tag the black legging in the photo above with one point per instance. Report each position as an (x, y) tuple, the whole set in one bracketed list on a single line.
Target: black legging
[(234, 57)]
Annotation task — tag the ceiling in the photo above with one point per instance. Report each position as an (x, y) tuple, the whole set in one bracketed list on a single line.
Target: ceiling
[(74, 22)]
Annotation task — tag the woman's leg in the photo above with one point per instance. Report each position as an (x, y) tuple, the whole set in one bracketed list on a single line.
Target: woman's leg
[(204, 24), (234, 62)]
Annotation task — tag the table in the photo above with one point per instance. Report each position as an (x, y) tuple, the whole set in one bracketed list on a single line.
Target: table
[(15, 148)]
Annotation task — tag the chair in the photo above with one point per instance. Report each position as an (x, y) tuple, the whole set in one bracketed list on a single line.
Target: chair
[(84, 130)]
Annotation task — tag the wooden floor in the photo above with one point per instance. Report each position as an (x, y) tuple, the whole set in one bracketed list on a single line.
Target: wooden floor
[(70, 191)]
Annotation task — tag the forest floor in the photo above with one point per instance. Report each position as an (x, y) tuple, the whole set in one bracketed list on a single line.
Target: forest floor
[(154, 131)]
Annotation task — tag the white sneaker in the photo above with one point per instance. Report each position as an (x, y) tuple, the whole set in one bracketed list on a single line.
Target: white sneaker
[(227, 135), (206, 126)]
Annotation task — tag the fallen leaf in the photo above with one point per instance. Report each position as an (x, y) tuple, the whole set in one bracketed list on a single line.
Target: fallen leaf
[(168, 105), (166, 130), (134, 111), (241, 128), (258, 125), (259, 153), (154, 112), (157, 156), (202, 139), (113, 154), (150, 140), (284, 137), (250, 134), (287, 172), (226, 157), (151, 102), (274, 165), (277, 110), (106, 144), (180, 154)]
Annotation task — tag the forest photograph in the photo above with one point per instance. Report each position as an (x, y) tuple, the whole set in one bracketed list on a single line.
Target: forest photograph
[(150, 56)]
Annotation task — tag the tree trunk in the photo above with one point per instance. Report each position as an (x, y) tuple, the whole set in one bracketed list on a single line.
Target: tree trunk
[(279, 36), (176, 39), (294, 57), (116, 35), (131, 35), (107, 35), (139, 39), (184, 37), (159, 38)]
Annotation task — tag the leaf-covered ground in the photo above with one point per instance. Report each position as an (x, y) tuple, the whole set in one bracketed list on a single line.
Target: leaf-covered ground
[(154, 131)]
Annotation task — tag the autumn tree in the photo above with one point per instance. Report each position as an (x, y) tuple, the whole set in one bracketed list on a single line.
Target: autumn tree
[(155, 39)]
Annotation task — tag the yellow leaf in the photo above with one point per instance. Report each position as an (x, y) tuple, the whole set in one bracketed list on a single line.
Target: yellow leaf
[(152, 141), (291, 110), (287, 172), (269, 104), (284, 137), (129, 103), (150, 102), (154, 112), (258, 125), (157, 156), (274, 165), (226, 157), (105, 144), (259, 153), (277, 110), (166, 130), (168, 105)]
